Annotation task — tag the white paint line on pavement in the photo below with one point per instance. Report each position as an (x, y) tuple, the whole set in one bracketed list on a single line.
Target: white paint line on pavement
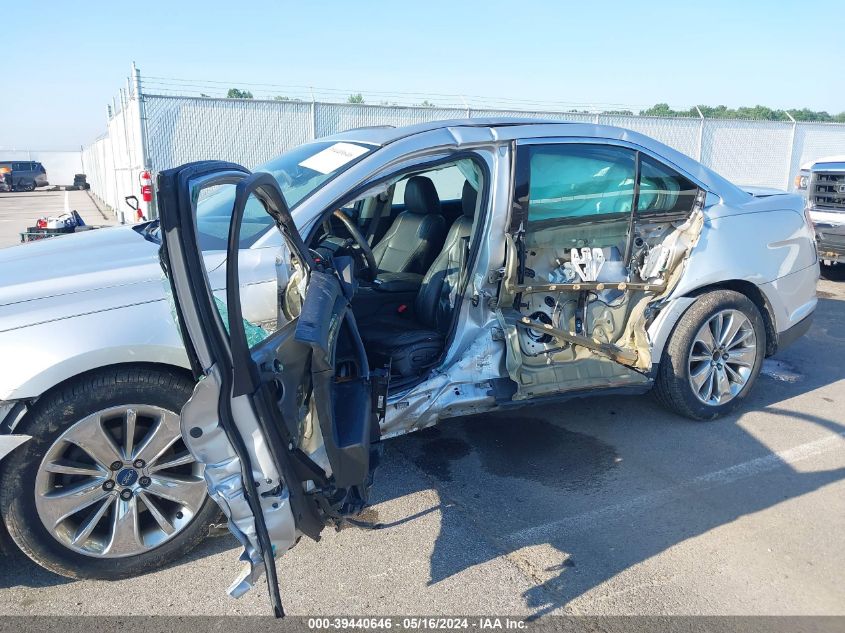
[(722, 477)]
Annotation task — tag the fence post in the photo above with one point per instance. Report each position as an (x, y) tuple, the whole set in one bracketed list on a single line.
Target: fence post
[(146, 163), (700, 133), (142, 117), (792, 148), (466, 107), (313, 120)]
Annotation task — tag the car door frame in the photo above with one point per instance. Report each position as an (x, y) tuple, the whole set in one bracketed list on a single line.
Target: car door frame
[(230, 398)]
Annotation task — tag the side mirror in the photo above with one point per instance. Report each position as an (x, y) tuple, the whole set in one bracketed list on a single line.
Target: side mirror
[(132, 201)]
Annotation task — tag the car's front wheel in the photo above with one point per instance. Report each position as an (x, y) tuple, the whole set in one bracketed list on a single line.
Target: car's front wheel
[(106, 487), (713, 357)]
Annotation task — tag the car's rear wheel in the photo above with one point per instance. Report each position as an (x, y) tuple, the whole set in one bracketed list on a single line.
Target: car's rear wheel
[(713, 357), (106, 487)]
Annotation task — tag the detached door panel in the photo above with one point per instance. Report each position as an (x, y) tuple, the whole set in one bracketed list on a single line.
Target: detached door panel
[(282, 414)]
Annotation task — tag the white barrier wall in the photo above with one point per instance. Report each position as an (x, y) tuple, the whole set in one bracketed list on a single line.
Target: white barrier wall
[(179, 129)]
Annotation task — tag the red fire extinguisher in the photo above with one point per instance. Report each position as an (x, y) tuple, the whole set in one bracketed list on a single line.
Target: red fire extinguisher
[(146, 193)]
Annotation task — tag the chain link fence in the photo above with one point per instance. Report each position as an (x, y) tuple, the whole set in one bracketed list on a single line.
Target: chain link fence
[(159, 132)]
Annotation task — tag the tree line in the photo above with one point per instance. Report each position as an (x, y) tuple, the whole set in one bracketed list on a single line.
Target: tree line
[(758, 112)]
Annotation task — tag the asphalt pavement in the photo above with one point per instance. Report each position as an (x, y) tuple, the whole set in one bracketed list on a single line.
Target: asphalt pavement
[(603, 506), (20, 209)]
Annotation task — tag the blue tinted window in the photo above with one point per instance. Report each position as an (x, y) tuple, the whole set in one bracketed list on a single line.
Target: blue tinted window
[(570, 181)]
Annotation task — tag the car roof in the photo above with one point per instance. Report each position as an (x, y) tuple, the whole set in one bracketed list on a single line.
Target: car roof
[(385, 134), (515, 128)]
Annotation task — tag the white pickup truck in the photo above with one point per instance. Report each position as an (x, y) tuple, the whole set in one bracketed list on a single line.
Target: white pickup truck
[(822, 183)]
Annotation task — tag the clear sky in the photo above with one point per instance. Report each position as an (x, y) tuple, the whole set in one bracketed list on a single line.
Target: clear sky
[(65, 61)]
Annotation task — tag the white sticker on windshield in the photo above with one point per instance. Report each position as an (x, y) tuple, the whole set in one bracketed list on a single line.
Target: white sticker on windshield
[(333, 157)]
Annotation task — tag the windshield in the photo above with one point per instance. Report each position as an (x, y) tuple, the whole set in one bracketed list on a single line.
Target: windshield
[(299, 172)]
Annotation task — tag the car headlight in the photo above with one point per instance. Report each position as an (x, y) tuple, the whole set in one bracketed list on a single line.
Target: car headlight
[(802, 180)]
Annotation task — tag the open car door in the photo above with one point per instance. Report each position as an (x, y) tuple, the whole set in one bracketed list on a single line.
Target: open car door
[(285, 412)]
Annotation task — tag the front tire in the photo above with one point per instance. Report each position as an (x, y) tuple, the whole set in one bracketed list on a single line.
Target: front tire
[(713, 356), (105, 488)]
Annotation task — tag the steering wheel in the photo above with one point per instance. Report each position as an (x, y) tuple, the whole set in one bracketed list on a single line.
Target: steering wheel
[(359, 240)]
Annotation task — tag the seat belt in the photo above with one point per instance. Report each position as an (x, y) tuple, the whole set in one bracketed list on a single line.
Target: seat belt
[(381, 203)]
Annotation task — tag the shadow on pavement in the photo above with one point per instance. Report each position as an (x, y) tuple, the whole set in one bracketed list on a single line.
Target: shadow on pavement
[(603, 484)]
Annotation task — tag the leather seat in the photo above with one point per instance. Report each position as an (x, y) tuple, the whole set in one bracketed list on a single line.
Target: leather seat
[(414, 344), (412, 241)]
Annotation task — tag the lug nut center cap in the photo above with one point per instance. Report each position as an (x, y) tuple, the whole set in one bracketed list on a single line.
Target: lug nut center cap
[(127, 477)]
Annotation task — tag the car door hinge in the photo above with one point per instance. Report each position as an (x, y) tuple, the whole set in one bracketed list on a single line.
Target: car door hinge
[(496, 275)]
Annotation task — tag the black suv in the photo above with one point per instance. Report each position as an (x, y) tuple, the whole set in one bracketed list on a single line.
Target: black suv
[(26, 174)]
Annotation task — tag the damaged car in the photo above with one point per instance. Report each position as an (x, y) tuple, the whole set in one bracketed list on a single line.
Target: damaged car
[(453, 268)]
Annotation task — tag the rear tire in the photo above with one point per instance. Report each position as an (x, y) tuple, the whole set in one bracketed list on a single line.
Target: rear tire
[(727, 372), (50, 420)]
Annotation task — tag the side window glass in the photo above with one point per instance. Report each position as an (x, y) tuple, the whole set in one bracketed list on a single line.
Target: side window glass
[(571, 181), (214, 214), (663, 190)]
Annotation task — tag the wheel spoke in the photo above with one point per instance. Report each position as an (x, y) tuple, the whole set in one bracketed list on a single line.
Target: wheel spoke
[(705, 339), (181, 460), (189, 491), (723, 385), (734, 323), (125, 535), (163, 522), (87, 526), (96, 441), (70, 467), (701, 376), (710, 385), (164, 433), (740, 339), (129, 422), (743, 357), (716, 326), (734, 376), (63, 503)]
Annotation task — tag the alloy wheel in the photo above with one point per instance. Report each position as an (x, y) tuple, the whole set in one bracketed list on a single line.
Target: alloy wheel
[(722, 357), (119, 482)]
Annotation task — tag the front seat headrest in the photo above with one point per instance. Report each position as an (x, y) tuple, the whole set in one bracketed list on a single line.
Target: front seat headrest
[(468, 199), (421, 195)]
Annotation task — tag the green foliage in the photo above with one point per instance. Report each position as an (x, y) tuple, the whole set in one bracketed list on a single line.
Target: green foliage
[(235, 93), (758, 112), (427, 104), (355, 98)]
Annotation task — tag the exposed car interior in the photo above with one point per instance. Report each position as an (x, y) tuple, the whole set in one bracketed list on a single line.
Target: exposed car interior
[(418, 228), (604, 234)]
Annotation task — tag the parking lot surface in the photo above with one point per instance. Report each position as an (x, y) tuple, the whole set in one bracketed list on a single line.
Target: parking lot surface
[(21, 209), (602, 506)]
